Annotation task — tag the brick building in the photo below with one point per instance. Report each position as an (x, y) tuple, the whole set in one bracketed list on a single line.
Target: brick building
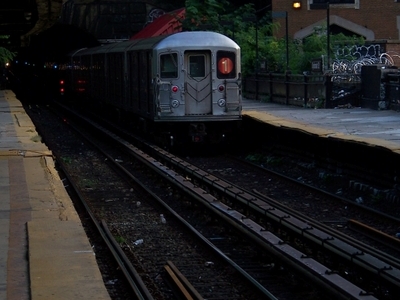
[(378, 21)]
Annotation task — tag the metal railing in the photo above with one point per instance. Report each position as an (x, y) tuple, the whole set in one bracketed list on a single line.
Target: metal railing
[(315, 91)]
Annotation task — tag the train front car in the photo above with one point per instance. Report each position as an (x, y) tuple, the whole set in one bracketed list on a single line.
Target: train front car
[(197, 87), (179, 88)]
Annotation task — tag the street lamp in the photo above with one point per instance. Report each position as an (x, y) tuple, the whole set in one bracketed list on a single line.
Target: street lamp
[(296, 4)]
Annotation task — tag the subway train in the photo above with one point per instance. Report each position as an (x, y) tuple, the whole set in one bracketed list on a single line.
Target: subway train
[(179, 88)]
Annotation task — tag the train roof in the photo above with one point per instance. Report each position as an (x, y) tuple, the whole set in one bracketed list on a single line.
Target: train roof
[(186, 39), (196, 39)]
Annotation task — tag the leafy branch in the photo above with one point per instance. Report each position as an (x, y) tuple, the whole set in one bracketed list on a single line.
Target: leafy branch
[(5, 54)]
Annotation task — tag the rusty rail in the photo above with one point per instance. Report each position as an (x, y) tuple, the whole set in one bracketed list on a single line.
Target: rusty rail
[(183, 287)]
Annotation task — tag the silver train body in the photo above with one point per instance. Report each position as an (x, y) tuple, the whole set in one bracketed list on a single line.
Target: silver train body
[(186, 85)]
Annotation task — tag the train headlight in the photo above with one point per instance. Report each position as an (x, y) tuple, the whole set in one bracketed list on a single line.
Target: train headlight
[(221, 102), (174, 89), (174, 103)]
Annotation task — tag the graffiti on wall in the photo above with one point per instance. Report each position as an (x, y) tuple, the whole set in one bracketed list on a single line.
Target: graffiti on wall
[(153, 15), (349, 60)]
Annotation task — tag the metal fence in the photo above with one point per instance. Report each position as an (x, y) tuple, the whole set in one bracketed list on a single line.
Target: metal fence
[(314, 91)]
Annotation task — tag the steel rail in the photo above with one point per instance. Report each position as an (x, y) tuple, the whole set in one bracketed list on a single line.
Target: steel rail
[(186, 289), (139, 289), (384, 238)]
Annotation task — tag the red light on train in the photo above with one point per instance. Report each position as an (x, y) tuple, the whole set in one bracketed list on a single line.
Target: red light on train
[(221, 88), (225, 65), (174, 89), (61, 87), (197, 139)]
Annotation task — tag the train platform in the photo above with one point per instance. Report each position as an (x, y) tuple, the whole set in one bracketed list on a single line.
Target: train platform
[(44, 250), (375, 128)]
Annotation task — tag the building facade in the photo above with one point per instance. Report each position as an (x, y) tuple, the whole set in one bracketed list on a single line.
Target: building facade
[(372, 19), (378, 21)]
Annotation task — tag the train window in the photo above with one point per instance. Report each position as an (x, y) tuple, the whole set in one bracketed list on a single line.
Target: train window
[(169, 65), (197, 66), (226, 65)]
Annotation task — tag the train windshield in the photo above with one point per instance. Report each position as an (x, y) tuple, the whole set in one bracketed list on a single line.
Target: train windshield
[(197, 66), (226, 65), (169, 65)]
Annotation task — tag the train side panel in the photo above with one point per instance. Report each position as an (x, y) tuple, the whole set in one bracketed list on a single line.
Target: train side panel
[(133, 81)]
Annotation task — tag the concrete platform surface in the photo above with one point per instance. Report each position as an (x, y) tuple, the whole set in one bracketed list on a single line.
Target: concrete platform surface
[(364, 125), (44, 250)]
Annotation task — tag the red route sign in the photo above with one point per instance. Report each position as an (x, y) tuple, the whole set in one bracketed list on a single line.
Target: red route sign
[(225, 65)]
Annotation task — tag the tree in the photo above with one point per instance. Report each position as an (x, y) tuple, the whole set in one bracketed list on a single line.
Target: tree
[(223, 17), (215, 15), (243, 24), (301, 52)]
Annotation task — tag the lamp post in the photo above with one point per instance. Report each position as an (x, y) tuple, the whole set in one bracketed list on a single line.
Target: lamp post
[(287, 41), (257, 62), (328, 36), (284, 14), (254, 19)]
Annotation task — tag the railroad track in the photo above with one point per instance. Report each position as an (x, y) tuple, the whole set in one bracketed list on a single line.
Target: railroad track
[(384, 222), (344, 210), (250, 201), (190, 265), (243, 201)]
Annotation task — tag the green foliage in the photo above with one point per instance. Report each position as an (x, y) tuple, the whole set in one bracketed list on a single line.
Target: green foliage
[(5, 54), (345, 44), (120, 239), (376, 198), (66, 160), (203, 15), (240, 23), (263, 159), (301, 53), (315, 46), (270, 49), (221, 16)]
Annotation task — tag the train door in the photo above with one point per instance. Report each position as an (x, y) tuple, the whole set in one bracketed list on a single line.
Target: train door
[(198, 85)]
